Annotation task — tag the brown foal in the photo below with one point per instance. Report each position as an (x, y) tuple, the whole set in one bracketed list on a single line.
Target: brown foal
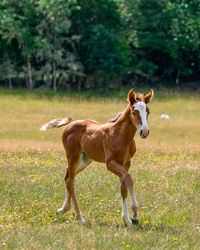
[(111, 143)]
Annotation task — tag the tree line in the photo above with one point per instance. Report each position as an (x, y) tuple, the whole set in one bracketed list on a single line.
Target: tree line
[(80, 44)]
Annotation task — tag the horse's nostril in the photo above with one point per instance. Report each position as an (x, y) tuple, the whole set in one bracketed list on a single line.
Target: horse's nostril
[(144, 133), (148, 132)]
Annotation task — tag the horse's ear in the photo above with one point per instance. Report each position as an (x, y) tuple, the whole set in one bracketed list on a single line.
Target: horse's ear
[(131, 96), (148, 97)]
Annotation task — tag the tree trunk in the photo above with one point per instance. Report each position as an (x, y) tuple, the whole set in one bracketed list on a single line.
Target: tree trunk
[(120, 82), (83, 82), (79, 83), (30, 79), (54, 76), (48, 80), (178, 76), (105, 83), (59, 78), (49, 58), (95, 80), (48, 74), (10, 83), (179, 68)]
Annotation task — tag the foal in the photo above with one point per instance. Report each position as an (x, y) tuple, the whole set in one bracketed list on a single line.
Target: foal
[(111, 143)]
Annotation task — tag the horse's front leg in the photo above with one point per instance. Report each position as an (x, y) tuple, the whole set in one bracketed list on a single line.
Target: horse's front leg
[(124, 194), (126, 183)]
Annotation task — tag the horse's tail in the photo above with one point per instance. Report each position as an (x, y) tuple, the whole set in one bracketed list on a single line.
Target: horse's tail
[(56, 123)]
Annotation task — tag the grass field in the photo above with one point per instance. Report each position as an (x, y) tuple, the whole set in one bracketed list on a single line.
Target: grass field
[(166, 170)]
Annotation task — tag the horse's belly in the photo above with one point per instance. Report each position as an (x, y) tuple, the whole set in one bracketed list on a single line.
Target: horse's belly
[(94, 152), (93, 147)]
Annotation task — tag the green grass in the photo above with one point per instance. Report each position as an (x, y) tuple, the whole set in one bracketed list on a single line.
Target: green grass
[(32, 189), (32, 165)]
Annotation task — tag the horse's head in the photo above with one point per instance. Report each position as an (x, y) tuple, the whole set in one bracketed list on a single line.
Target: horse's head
[(140, 111)]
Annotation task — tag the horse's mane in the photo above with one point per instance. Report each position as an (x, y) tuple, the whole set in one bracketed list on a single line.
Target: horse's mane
[(114, 119)]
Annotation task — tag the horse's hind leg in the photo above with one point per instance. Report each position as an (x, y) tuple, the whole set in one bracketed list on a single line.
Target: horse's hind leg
[(84, 161), (75, 166), (71, 190), (67, 203)]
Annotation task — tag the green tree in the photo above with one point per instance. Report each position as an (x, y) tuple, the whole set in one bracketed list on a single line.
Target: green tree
[(55, 50), (103, 49), (59, 43), (164, 37), (184, 46), (17, 29), (105, 54)]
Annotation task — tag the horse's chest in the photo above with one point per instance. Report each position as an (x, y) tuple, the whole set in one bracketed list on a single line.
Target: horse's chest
[(127, 155), (124, 152)]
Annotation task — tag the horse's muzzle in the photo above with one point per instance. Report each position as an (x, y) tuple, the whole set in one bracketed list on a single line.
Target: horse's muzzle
[(144, 133)]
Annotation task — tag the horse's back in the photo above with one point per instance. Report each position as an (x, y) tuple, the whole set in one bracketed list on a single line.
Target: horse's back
[(77, 126)]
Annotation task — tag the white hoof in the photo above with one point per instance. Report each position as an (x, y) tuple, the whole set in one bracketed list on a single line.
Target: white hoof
[(82, 220), (127, 220), (61, 211)]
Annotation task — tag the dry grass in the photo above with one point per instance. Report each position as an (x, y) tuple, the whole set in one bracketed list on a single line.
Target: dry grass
[(149, 146), (20, 120)]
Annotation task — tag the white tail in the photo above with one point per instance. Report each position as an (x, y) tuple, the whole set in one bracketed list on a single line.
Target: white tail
[(56, 123)]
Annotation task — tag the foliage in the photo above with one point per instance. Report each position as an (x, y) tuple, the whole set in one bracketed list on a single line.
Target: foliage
[(165, 37), (80, 43)]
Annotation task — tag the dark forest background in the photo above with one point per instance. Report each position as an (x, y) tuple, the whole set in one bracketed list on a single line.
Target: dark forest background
[(99, 44)]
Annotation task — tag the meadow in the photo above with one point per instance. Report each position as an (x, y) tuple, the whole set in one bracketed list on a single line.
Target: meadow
[(166, 171)]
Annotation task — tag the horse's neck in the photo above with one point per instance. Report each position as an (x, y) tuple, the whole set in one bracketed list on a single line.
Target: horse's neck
[(125, 125)]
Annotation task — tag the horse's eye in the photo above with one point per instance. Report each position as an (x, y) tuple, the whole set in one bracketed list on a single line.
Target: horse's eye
[(133, 112)]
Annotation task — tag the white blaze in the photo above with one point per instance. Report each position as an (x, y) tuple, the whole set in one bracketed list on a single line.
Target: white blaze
[(141, 107)]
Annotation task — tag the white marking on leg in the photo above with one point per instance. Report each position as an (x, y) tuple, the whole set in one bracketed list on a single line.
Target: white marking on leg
[(82, 220), (135, 209), (125, 215), (80, 166), (83, 162), (64, 208)]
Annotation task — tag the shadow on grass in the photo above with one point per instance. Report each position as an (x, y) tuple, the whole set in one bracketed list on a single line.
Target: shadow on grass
[(120, 225)]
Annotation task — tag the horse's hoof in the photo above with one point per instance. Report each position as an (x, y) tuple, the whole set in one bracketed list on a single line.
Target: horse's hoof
[(82, 221), (135, 222), (60, 211), (127, 221)]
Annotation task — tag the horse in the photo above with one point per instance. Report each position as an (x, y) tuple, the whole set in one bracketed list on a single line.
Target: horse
[(111, 143)]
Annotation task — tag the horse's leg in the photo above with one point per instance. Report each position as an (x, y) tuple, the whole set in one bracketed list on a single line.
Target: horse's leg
[(124, 194), (83, 163), (67, 203), (71, 190), (120, 171), (76, 165)]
